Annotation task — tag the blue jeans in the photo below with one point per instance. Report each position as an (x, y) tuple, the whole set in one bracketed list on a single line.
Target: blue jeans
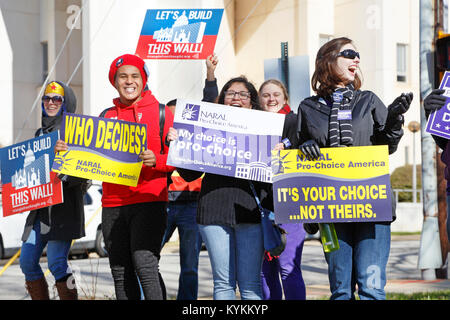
[(361, 259), (183, 215), (236, 255), (57, 255), (287, 267)]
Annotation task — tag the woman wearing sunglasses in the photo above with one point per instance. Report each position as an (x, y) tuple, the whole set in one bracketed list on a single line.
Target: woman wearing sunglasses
[(57, 225), (342, 115)]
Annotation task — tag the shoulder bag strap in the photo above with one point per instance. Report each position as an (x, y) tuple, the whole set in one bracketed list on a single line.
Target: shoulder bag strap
[(261, 210)]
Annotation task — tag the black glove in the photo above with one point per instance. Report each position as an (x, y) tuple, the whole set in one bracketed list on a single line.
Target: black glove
[(400, 105), (311, 228), (396, 110), (434, 101), (311, 150)]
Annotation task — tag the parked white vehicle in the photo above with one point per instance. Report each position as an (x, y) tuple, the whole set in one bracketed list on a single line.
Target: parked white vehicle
[(11, 228)]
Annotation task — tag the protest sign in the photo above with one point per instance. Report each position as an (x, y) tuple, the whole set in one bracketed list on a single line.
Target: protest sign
[(345, 185), (28, 183), (179, 33), (225, 140), (439, 121), (101, 149)]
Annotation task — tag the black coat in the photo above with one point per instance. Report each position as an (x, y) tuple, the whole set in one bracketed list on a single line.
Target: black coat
[(369, 121), (64, 221), (290, 129)]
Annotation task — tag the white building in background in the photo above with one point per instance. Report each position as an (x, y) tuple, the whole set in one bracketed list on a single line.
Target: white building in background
[(33, 32)]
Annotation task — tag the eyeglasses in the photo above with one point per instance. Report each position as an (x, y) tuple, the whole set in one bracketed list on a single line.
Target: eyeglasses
[(349, 54), (55, 99), (243, 95)]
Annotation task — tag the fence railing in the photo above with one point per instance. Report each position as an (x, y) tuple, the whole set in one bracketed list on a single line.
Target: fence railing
[(418, 192)]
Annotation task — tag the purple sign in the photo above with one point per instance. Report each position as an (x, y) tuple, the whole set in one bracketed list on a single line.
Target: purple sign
[(101, 149), (225, 140), (439, 121), (337, 201), (344, 185)]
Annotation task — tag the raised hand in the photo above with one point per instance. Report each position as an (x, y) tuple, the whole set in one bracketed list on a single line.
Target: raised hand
[(400, 105), (211, 64)]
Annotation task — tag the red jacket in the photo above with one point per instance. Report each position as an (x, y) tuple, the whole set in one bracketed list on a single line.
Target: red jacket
[(152, 184)]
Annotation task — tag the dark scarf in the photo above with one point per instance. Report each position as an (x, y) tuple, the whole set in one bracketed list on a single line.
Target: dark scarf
[(340, 129), (50, 124)]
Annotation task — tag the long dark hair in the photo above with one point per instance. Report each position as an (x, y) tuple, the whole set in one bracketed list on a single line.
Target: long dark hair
[(326, 77), (254, 101)]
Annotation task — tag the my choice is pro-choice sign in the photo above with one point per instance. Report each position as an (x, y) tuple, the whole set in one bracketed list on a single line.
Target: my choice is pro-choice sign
[(225, 140)]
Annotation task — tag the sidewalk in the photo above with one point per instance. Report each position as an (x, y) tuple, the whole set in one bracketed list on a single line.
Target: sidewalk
[(95, 281), (402, 273)]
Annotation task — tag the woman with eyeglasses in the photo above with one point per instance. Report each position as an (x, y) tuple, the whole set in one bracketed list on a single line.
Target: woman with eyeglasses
[(228, 216), (55, 226), (342, 115)]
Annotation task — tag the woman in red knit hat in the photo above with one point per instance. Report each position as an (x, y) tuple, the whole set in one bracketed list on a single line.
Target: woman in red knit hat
[(134, 218)]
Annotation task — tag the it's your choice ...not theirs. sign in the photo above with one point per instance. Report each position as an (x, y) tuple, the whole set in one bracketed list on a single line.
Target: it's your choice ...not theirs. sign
[(345, 185)]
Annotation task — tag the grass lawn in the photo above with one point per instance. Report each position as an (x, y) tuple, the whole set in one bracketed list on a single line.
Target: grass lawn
[(436, 295)]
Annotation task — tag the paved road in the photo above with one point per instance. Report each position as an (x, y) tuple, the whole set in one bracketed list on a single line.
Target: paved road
[(94, 277)]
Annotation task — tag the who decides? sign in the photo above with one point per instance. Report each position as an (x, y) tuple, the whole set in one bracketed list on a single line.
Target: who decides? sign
[(179, 33), (101, 149), (225, 140)]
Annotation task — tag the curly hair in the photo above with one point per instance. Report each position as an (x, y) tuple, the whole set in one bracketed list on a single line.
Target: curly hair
[(254, 101), (326, 77)]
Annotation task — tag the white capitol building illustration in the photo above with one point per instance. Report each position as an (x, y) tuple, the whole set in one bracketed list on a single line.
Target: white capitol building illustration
[(254, 171), (181, 31), (34, 172)]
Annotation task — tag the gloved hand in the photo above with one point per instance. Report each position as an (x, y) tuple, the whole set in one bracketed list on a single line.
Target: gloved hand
[(434, 101), (400, 105), (311, 228), (396, 110), (311, 149)]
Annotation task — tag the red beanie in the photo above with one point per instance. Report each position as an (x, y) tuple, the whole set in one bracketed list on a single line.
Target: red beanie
[(128, 59)]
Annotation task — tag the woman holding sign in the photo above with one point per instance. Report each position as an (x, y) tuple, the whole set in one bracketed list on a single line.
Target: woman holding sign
[(57, 225), (228, 216), (342, 115), (273, 97)]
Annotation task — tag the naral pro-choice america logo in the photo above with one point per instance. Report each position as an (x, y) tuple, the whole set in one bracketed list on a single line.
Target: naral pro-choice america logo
[(191, 112)]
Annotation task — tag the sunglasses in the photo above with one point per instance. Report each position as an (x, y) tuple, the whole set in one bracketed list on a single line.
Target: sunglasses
[(349, 54), (55, 99)]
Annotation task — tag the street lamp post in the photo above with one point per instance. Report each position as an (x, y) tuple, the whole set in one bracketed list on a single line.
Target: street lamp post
[(414, 127)]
